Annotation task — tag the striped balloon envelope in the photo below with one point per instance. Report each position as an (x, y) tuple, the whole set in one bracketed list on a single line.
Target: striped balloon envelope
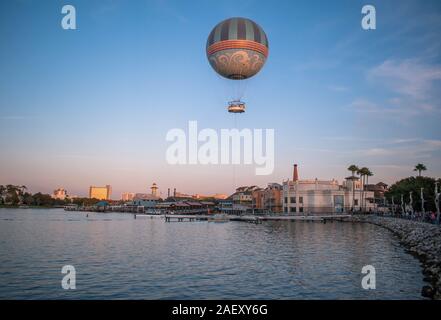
[(237, 48)]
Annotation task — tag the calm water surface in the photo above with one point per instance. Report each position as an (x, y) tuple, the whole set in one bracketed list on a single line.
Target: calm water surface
[(118, 257)]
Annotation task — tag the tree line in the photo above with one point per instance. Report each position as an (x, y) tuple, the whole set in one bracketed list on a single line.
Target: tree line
[(12, 195), (404, 187)]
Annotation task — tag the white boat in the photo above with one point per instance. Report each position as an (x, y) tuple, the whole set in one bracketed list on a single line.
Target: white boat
[(71, 207)]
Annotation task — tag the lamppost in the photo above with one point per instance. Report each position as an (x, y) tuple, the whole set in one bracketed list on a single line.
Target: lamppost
[(411, 203), (423, 212), (402, 204), (393, 206), (437, 194)]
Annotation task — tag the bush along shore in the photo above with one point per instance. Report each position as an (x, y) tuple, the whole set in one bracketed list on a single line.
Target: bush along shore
[(422, 240)]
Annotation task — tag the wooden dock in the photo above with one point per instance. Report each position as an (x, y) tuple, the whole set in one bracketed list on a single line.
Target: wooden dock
[(185, 217), (259, 219)]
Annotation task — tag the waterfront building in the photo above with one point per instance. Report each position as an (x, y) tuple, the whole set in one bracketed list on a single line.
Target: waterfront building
[(60, 194), (379, 189), (268, 199), (184, 196), (186, 207), (258, 201), (101, 193), (127, 196), (181, 195), (217, 196), (144, 199), (324, 196), (239, 202)]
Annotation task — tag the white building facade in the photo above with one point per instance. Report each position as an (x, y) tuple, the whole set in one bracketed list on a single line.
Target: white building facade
[(319, 196)]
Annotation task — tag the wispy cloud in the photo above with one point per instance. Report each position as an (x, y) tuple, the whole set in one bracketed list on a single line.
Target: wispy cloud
[(415, 86), (385, 150), (404, 148), (366, 106), (409, 77)]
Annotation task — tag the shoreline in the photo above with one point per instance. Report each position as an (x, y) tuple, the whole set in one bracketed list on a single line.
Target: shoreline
[(2, 206), (421, 240)]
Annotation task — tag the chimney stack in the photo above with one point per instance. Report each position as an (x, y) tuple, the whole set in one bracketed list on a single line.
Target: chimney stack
[(168, 193), (295, 175), (174, 192)]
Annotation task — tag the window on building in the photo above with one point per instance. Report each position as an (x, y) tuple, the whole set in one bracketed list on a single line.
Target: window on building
[(356, 202), (285, 209), (293, 199), (301, 209), (293, 209), (300, 199), (286, 199)]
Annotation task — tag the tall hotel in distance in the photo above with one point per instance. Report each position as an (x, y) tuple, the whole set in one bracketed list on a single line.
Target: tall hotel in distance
[(101, 193)]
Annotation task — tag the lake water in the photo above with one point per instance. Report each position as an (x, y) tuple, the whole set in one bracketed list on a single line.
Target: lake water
[(118, 257)]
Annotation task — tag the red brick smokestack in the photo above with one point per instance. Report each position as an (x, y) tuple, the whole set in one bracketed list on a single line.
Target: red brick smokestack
[(295, 175)]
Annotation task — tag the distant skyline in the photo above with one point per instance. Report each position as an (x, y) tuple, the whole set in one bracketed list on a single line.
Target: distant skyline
[(92, 106)]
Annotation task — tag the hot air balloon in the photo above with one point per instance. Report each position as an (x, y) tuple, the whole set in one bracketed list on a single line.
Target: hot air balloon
[(237, 49)]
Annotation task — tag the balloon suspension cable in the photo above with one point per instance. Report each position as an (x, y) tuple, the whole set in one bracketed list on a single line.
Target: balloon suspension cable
[(237, 106), (234, 166)]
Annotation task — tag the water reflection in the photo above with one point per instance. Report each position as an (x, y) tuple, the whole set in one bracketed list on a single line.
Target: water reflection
[(118, 257)]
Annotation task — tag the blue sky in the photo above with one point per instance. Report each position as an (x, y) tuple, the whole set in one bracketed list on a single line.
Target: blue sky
[(92, 106)]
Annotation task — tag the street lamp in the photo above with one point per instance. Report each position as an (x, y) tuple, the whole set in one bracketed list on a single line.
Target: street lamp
[(437, 194), (402, 204)]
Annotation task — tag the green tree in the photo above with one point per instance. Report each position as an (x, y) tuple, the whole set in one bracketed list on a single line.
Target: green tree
[(363, 173), (28, 199), (353, 168), (420, 167), (12, 193), (367, 173), (414, 184), (44, 200), (85, 201), (2, 194)]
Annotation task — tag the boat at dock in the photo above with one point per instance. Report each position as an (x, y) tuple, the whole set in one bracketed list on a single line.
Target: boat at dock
[(71, 207)]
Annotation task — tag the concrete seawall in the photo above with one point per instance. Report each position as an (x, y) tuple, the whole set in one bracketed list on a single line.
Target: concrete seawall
[(422, 240)]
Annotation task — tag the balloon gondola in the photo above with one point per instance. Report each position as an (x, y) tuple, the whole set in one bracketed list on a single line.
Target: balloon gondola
[(237, 49), (236, 107)]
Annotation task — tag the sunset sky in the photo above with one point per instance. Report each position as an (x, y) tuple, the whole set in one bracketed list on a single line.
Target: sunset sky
[(92, 106)]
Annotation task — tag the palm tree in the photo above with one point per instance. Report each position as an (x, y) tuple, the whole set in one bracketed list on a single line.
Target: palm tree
[(21, 193), (420, 167), (363, 172), (353, 168), (360, 173), (368, 174)]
